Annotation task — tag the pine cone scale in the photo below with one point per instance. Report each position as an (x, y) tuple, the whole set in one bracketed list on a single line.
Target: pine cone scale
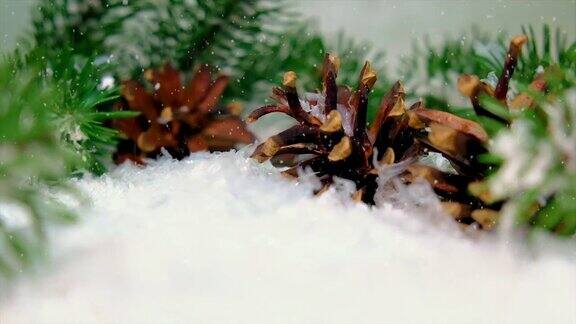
[(167, 85), (213, 95), (197, 87)]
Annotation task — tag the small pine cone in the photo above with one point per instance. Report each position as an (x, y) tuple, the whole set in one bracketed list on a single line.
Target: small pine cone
[(180, 119), (331, 137)]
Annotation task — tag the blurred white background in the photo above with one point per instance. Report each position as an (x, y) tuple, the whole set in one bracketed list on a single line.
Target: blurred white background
[(389, 25), (394, 25)]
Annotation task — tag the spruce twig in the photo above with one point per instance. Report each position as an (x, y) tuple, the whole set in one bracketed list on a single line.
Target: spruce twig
[(33, 161)]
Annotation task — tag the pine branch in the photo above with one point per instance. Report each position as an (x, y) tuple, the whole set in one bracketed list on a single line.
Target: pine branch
[(533, 161), (82, 109), (78, 25), (68, 43), (299, 48), (33, 161), (542, 144), (147, 33), (431, 71), (540, 148), (81, 106), (545, 51)]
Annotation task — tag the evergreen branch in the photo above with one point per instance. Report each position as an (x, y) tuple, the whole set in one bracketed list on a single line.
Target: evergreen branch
[(297, 49), (81, 105), (431, 71), (535, 173), (33, 161), (147, 33), (78, 25), (80, 111)]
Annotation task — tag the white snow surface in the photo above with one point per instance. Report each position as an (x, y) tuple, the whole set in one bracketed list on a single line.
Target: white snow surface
[(217, 238)]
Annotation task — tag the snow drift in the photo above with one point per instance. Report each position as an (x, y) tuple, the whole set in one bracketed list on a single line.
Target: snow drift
[(217, 238)]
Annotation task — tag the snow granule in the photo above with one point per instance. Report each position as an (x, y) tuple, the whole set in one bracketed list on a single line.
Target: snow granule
[(107, 82), (217, 238)]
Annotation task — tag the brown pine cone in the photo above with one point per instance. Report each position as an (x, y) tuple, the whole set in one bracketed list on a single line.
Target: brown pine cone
[(331, 138), (180, 119)]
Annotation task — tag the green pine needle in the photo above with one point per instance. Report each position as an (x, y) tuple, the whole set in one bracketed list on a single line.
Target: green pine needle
[(33, 161)]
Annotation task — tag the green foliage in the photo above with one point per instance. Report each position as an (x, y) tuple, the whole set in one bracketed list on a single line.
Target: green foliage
[(50, 126), (453, 55), (431, 71), (538, 158), (301, 49), (550, 50), (78, 25), (80, 107), (559, 214), (142, 34), (32, 161), (81, 110)]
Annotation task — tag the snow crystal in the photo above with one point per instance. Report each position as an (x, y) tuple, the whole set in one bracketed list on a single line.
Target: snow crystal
[(317, 109), (491, 79), (346, 119), (528, 158), (75, 134), (107, 82), (525, 164), (217, 238), (562, 118)]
